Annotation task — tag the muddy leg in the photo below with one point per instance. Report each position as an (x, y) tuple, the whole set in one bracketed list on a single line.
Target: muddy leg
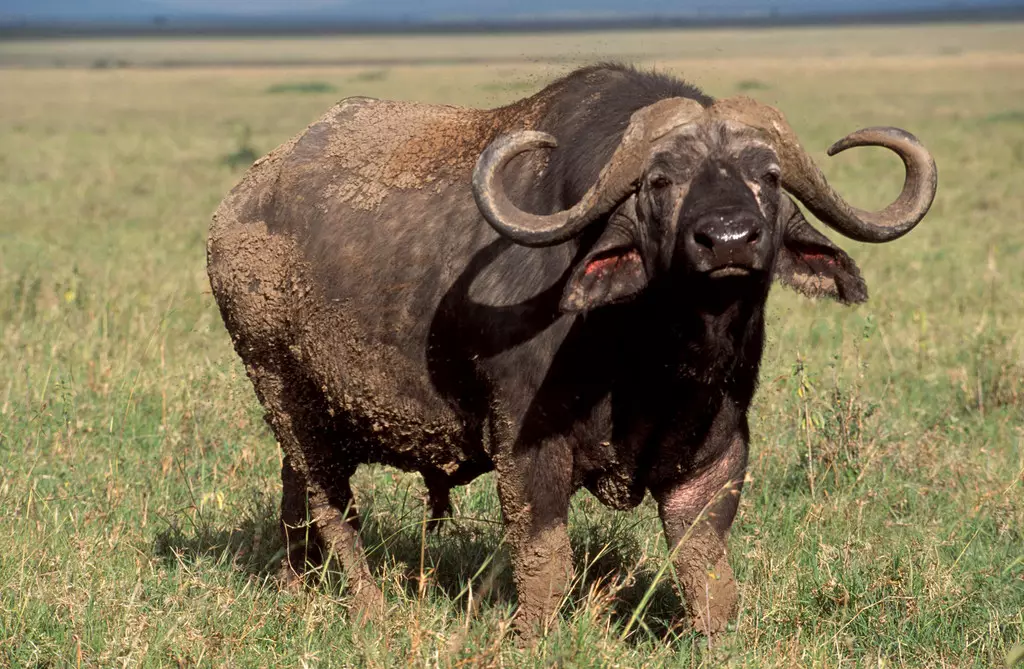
[(318, 517), (332, 510), (701, 563), (534, 488), (283, 398), (439, 499), (302, 545)]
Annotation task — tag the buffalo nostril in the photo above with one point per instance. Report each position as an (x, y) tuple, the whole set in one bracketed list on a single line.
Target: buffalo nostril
[(753, 236), (704, 239)]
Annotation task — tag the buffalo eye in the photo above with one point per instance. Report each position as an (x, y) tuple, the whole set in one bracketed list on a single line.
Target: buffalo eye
[(771, 175), (658, 181)]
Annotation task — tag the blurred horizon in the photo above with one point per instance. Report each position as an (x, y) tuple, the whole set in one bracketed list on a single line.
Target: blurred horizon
[(267, 13)]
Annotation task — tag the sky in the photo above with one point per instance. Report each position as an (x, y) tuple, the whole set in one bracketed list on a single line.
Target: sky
[(447, 9)]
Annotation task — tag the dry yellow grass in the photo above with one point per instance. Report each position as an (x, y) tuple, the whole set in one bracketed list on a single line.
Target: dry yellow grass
[(719, 44)]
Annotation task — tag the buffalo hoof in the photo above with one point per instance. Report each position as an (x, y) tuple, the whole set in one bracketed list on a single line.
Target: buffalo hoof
[(287, 578), (715, 607), (366, 603), (530, 626)]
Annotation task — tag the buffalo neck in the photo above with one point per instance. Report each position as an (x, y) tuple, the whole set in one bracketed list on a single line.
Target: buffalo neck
[(695, 344)]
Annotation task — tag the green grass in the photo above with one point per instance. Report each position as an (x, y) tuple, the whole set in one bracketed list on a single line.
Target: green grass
[(301, 87), (884, 519), (940, 40)]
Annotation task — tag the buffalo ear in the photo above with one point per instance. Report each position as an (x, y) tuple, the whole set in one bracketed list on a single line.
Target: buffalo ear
[(809, 263), (612, 271), (605, 277)]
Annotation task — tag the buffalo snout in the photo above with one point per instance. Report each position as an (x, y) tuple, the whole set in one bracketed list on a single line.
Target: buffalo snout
[(726, 241)]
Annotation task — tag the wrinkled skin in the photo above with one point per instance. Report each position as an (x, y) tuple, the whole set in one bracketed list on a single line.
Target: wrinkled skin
[(381, 320)]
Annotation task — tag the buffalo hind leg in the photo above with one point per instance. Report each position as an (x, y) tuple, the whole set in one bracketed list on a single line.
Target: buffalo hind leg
[(333, 512), (439, 498), (318, 517), (696, 516), (301, 540), (534, 488)]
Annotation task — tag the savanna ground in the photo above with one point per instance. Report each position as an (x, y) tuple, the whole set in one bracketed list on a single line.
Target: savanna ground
[(883, 522)]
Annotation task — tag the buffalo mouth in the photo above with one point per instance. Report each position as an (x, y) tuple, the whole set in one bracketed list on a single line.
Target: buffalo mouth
[(730, 271)]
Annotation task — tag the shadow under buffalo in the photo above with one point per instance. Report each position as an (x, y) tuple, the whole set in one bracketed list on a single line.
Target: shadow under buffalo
[(252, 546), (463, 551), (471, 551)]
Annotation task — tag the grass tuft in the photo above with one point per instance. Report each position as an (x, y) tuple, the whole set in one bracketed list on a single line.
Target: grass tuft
[(745, 85), (245, 153), (301, 87)]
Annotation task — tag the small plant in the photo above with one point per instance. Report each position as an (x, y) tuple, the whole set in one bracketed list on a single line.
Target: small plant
[(109, 64), (245, 153), (993, 377), (301, 87), (1008, 116), (833, 423), (370, 76), (25, 297), (751, 85)]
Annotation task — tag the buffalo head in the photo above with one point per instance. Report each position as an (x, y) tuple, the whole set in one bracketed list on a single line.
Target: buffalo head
[(698, 195)]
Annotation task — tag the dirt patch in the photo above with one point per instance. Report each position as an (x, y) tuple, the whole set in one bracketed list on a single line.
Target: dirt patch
[(375, 147)]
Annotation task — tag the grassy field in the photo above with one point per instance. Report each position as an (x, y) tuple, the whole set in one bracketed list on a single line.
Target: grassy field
[(647, 46), (884, 521)]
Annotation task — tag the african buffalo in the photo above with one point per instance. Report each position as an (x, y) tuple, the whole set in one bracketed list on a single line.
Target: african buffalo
[(569, 290)]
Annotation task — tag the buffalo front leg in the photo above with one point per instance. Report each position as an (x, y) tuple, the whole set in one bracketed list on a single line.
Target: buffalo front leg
[(534, 486), (696, 516)]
